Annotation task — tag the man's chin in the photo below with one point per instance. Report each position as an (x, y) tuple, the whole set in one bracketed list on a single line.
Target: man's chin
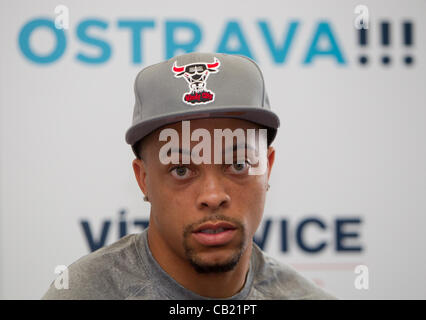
[(201, 266), (218, 262)]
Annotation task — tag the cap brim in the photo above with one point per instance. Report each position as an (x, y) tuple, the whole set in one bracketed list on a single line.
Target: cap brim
[(263, 117)]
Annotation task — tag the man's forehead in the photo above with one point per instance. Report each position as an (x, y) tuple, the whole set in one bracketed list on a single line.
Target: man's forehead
[(209, 142), (211, 124)]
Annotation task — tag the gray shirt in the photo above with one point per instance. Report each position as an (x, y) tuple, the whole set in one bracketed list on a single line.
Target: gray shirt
[(126, 269)]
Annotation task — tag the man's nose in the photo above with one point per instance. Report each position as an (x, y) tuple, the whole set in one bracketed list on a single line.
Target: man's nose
[(212, 194)]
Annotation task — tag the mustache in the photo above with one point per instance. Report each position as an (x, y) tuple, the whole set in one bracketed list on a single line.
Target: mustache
[(212, 218)]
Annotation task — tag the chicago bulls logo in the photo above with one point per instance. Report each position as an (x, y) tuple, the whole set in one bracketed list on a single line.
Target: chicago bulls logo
[(196, 75)]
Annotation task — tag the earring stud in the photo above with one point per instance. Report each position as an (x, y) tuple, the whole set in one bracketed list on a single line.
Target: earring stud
[(145, 198)]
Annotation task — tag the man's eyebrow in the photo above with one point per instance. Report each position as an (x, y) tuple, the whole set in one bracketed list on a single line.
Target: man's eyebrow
[(244, 146), (234, 148), (178, 150)]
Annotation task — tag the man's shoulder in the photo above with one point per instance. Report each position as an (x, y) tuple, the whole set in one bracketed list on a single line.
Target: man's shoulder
[(112, 272), (276, 280)]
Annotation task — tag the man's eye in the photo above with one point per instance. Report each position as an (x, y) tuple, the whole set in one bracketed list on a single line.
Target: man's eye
[(180, 172), (239, 167)]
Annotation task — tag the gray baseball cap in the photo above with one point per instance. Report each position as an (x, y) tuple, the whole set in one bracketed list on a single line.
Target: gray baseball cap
[(200, 85)]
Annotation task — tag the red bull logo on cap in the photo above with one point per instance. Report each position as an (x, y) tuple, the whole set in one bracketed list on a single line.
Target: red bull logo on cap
[(196, 75)]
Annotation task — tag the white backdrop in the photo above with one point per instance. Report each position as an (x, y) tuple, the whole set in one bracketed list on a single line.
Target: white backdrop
[(351, 152)]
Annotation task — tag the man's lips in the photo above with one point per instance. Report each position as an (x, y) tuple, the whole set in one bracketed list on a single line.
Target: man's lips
[(215, 226), (214, 234)]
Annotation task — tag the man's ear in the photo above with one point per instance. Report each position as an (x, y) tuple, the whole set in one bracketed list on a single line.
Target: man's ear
[(139, 168), (271, 159)]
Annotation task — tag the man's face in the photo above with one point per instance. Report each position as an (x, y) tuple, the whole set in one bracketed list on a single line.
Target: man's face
[(205, 214)]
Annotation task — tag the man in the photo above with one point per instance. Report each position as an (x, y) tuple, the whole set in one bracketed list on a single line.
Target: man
[(207, 197)]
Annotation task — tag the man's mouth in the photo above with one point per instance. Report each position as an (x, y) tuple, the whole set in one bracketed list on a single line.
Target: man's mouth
[(213, 231), (214, 234)]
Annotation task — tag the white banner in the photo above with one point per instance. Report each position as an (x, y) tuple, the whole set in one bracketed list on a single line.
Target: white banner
[(346, 206)]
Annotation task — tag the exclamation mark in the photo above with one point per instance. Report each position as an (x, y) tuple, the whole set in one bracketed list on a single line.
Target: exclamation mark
[(363, 41), (408, 40), (385, 28)]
